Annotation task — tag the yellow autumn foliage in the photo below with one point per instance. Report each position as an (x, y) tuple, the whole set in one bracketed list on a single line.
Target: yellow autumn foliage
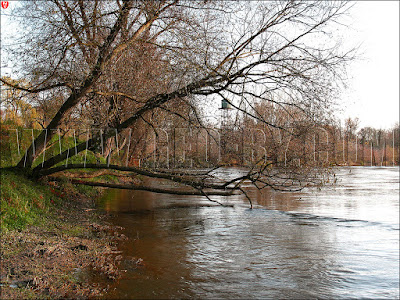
[(16, 108)]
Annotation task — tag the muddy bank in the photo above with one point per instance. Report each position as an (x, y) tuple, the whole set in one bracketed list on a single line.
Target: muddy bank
[(60, 258)]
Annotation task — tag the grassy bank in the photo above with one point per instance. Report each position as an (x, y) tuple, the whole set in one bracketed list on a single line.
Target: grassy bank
[(53, 240), (24, 202)]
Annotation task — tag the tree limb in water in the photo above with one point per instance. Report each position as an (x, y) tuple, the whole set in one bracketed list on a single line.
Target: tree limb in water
[(193, 180), (93, 174), (152, 189)]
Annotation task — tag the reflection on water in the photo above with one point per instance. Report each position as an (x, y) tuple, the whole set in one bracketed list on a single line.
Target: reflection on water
[(339, 242)]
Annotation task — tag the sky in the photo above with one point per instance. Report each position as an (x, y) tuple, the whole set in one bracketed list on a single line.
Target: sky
[(373, 94), (373, 89)]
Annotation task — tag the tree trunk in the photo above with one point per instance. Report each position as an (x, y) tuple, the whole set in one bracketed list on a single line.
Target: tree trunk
[(104, 55)]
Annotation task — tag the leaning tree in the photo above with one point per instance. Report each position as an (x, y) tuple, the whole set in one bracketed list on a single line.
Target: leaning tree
[(137, 57)]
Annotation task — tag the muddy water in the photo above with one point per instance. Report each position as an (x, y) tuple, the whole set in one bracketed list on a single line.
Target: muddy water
[(339, 242)]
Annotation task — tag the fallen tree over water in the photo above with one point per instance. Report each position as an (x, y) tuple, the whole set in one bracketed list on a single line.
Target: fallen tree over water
[(205, 184), (137, 65)]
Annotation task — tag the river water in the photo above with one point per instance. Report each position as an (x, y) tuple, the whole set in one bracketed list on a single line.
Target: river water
[(339, 242)]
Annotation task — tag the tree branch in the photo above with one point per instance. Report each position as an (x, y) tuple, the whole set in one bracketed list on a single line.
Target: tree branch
[(149, 189), (32, 89)]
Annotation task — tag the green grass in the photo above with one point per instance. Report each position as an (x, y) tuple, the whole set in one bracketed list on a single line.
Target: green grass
[(11, 151), (68, 142), (24, 202)]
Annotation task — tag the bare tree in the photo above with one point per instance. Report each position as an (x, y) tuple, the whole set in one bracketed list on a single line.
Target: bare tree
[(350, 132), (98, 54)]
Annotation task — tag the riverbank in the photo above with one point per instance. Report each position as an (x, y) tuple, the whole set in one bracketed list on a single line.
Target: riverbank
[(53, 241)]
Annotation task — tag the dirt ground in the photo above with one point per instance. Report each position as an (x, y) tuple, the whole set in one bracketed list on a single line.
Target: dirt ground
[(64, 258)]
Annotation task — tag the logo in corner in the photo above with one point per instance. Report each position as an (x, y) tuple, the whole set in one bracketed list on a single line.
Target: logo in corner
[(4, 4)]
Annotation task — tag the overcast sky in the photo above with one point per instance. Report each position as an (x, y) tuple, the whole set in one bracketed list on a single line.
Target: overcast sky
[(373, 94)]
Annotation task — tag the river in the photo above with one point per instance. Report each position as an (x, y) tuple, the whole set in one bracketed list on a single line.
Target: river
[(339, 242)]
